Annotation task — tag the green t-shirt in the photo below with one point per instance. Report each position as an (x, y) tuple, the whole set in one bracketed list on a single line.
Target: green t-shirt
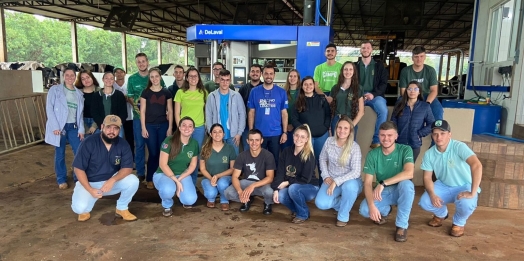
[(136, 84), (342, 96), (192, 104), (212, 85), (219, 162), (326, 76), (426, 77), (182, 160), (387, 166), (291, 103), (366, 76)]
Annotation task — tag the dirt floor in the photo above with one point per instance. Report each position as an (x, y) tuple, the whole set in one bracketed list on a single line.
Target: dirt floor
[(37, 224)]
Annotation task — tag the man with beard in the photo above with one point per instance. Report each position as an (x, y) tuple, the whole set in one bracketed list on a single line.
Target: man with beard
[(103, 165), (373, 78), (245, 90), (326, 74), (267, 112), (136, 84), (392, 165), (213, 85)]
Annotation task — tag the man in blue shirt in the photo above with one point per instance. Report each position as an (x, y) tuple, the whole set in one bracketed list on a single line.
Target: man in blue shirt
[(458, 172), (267, 112), (103, 165)]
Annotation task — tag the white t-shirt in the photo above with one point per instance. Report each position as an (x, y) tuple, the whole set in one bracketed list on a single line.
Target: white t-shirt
[(123, 89)]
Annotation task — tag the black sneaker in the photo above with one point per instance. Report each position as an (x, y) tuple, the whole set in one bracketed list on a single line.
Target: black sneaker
[(167, 212), (246, 206), (267, 209)]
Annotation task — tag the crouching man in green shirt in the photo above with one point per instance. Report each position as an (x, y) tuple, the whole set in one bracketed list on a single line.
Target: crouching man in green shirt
[(393, 166)]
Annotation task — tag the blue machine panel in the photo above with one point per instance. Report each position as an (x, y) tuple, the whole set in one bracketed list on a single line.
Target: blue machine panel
[(242, 33), (311, 46)]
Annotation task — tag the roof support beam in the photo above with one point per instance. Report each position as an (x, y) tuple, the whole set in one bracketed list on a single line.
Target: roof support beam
[(448, 24)]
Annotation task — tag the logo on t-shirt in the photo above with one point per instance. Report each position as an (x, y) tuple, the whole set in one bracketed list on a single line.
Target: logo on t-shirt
[(254, 173), (158, 100), (290, 171), (164, 145), (224, 159), (329, 74), (421, 80), (267, 103), (190, 154), (117, 160)]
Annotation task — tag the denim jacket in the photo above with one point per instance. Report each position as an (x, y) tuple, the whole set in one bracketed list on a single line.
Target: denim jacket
[(56, 109)]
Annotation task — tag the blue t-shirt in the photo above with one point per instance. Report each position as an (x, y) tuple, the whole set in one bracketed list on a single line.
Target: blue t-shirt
[(224, 114), (450, 166), (99, 163), (268, 105)]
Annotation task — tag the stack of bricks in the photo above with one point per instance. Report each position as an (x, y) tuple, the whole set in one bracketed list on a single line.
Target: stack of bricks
[(503, 172)]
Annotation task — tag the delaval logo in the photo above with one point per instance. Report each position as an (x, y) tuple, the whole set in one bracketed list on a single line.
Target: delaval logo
[(213, 32)]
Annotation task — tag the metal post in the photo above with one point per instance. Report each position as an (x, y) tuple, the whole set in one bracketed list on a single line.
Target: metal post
[(186, 55), (74, 42), (329, 12), (124, 51), (214, 57), (3, 40), (159, 53)]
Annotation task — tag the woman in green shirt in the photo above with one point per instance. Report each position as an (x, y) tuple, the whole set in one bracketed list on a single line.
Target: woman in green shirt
[(178, 159), (216, 164)]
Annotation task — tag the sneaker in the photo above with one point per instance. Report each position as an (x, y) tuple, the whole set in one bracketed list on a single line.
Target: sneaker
[(341, 224), (84, 217), (456, 231), (187, 206), (267, 209), (436, 221), (298, 220), (63, 186), (150, 185), (126, 215), (167, 212), (401, 235), (246, 206)]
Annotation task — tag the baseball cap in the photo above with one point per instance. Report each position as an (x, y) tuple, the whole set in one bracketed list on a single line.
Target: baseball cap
[(119, 68), (441, 124), (112, 120)]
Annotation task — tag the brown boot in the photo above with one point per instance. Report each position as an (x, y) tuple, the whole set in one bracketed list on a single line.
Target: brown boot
[(126, 215), (224, 206), (436, 221), (84, 217), (456, 231)]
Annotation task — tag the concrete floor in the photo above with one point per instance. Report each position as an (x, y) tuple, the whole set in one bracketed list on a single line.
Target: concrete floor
[(37, 224)]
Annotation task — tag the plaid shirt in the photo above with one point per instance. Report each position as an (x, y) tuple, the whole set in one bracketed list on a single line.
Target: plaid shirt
[(330, 166)]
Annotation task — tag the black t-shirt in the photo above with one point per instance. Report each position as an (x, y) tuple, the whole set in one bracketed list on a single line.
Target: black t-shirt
[(156, 105), (99, 163), (255, 168), (88, 100)]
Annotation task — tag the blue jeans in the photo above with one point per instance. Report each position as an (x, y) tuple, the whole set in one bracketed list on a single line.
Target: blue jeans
[(463, 207), (401, 194), (211, 192), (378, 104), (167, 188), (232, 143), (289, 142), (273, 145), (265, 191), (198, 134), (140, 149), (70, 134), (318, 143), (436, 108), (83, 202), (244, 138), (341, 200), (157, 134), (296, 196), (88, 122), (334, 122)]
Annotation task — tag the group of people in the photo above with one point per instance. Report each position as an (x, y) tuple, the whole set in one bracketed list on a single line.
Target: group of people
[(285, 134)]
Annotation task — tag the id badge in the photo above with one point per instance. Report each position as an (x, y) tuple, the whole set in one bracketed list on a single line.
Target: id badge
[(268, 110)]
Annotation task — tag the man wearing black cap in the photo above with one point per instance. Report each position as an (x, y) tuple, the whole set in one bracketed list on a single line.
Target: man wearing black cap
[(458, 172), (103, 165)]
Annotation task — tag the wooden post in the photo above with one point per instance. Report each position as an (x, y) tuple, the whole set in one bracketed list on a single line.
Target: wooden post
[(3, 40), (74, 42)]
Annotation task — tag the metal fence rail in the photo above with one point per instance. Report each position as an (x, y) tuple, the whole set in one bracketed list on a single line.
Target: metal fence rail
[(22, 122)]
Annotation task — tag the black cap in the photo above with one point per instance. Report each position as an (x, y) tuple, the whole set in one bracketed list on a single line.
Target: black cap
[(441, 124)]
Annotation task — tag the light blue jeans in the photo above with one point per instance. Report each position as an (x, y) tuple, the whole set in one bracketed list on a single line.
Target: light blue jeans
[(198, 134), (463, 207), (167, 188), (140, 149), (378, 104), (83, 201), (341, 200), (401, 194), (296, 196), (211, 192)]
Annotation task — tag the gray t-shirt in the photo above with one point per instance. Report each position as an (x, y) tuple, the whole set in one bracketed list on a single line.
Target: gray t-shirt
[(72, 104), (255, 168)]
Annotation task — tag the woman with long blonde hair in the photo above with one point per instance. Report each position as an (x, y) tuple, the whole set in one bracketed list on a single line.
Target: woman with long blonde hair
[(340, 163), (291, 87), (295, 183)]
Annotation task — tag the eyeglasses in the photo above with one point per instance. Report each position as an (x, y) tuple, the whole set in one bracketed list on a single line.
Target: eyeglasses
[(413, 89)]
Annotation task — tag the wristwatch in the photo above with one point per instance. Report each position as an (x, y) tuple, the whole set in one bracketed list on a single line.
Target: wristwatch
[(382, 183)]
